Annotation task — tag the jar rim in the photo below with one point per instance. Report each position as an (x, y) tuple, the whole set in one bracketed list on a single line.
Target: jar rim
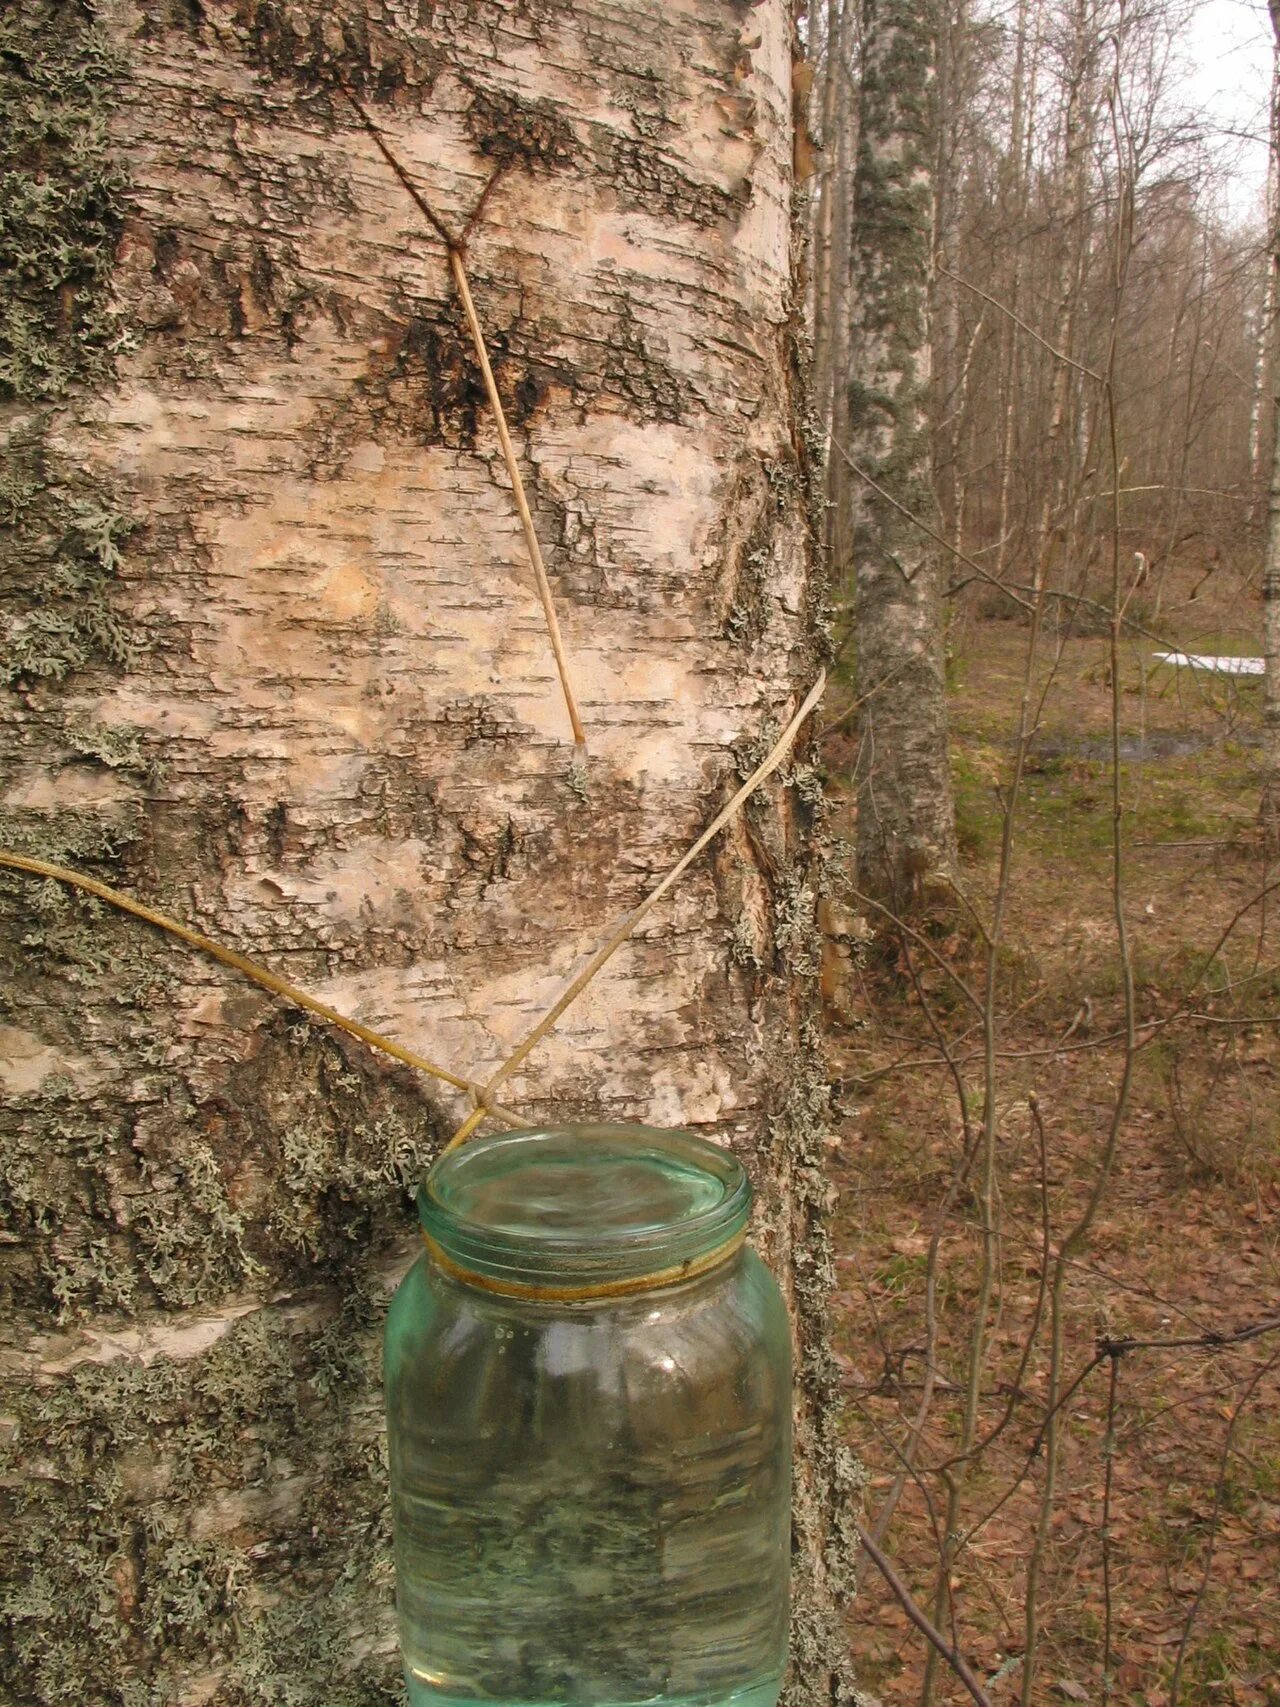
[(583, 1210)]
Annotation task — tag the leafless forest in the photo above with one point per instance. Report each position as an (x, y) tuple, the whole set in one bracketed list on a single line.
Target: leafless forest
[(1054, 1048), (932, 348)]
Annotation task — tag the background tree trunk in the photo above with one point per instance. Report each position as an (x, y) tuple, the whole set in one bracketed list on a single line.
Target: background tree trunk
[(277, 666), (906, 822), (1271, 569)]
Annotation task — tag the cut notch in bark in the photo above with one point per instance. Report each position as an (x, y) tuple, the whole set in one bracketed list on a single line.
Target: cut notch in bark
[(624, 928), (456, 249)]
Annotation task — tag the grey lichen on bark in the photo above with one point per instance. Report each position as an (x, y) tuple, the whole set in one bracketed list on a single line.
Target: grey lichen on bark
[(322, 725), (63, 199), (63, 196), (906, 820)]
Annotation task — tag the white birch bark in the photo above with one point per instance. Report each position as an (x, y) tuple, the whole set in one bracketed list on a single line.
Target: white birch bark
[(326, 728), (906, 820), (1271, 569)]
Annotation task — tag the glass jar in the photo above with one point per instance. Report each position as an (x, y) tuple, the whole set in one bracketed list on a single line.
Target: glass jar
[(588, 1383)]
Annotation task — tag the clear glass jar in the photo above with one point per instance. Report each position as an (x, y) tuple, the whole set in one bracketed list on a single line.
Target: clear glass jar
[(588, 1383)]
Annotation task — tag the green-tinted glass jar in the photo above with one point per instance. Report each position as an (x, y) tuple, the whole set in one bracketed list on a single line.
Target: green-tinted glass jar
[(588, 1383)]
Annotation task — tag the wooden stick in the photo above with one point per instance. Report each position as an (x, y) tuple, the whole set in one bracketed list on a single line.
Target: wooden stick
[(902, 1594), (517, 486), (626, 925), (250, 969)]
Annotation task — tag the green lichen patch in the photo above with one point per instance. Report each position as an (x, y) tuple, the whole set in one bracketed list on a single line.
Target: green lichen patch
[(339, 1140), (70, 837), (140, 1186), (61, 550), (62, 199), (830, 1483), (149, 1192), (221, 1517), (119, 747)]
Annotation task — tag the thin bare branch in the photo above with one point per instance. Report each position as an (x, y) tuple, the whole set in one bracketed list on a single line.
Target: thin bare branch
[(1019, 322), (954, 1658)]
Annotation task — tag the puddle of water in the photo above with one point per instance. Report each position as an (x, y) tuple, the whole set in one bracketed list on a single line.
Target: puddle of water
[(1159, 744)]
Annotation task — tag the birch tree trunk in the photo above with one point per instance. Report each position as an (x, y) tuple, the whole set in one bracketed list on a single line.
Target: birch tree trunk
[(906, 821), (1263, 352), (276, 665), (1271, 571)]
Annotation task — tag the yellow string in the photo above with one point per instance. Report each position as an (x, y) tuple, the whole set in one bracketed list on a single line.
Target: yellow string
[(481, 1094), (625, 927), (251, 969), (522, 503), (596, 1289)]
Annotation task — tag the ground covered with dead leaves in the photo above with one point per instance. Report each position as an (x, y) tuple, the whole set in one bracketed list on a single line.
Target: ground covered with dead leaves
[(1158, 1577)]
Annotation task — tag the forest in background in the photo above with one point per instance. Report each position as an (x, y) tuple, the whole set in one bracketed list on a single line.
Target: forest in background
[(248, 456), (1058, 1147), (1083, 225)]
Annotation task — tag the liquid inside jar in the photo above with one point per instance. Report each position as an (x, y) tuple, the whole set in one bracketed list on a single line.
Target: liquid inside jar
[(591, 1496)]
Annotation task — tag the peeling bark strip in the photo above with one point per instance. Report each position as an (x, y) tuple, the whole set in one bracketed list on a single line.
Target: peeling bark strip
[(906, 823), (298, 699)]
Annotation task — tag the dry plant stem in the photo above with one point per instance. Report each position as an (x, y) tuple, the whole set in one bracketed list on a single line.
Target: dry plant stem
[(249, 969), (455, 247), (921, 941), (1021, 593), (477, 212), (1109, 1454), (1208, 1341), (1193, 1611), (411, 189), (987, 1188), (932, 533), (823, 225), (1021, 324), (917, 1479), (522, 503), (915, 1431), (1074, 1242), (882, 1343), (1151, 1029), (938, 1642), (628, 923), (1028, 1345), (850, 711)]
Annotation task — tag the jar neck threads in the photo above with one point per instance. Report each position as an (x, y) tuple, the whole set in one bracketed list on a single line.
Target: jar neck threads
[(582, 1212)]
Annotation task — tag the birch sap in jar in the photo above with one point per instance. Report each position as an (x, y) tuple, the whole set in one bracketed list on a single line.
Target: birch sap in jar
[(589, 1407)]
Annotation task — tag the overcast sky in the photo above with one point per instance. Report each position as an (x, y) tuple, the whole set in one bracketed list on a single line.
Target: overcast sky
[(1227, 78)]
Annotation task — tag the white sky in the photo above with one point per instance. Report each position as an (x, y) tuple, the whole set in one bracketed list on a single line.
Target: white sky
[(1227, 79)]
